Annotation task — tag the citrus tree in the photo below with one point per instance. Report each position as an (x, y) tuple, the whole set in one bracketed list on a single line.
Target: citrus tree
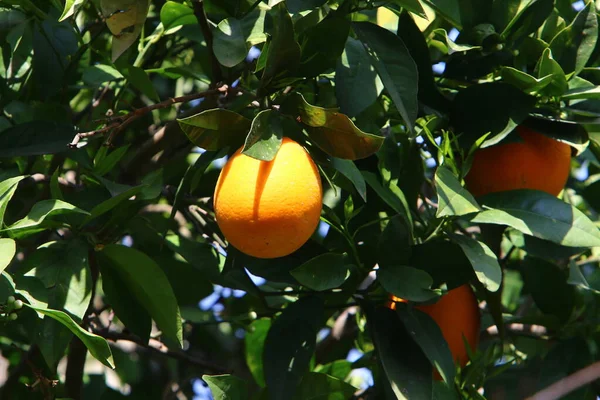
[(318, 199)]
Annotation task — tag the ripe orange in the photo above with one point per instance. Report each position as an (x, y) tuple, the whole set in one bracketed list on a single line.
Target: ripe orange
[(269, 209), (538, 162), (457, 315)]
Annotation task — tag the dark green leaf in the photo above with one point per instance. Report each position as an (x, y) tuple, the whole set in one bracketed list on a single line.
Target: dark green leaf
[(444, 261), (266, 133), (217, 128), (541, 215), (548, 287), (332, 131), (229, 43), (574, 45), (426, 332), (582, 93), (338, 369), (283, 54), (324, 272), (290, 345), (406, 282), (316, 386), (71, 7), (391, 195), (404, 363), (97, 345), (320, 55), (106, 164), (395, 66), (350, 171), (484, 261), (96, 75), (125, 304), (524, 81), (255, 343), (495, 108), (118, 198), (527, 19), (453, 198), (35, 138), (226, 387), (394, 244), (548, 67), (357, 85), (149, 284), (141, 81), (173, 15), (301, 5)]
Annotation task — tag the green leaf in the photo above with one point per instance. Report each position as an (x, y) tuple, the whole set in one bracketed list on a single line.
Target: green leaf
[(338, 369), (541, 215), (332, 131), (63, 268), (574, 45), (71, 7), (34, 220), (453, 198), (226, 387), (324, 272), (413, 6), (125, 19), (495, 108), (302, 5), (446, 45), (96, 75), (140, 80), (451, 10), (35, 138), (404, 363), (444, 261), (548, 287), (289, 346), (357, 85), (524, 81), (97, 345), (567, 132), (393, 198), (174, 15), (529, 17), (7, 190), (395, 66), (118, 198), (582, 93), (8, 248), (428, 335), (149, 284), (214, 129), (234, 37), (394, 247), (104, 165), (484, 261), (577, 278), (255, 343), (125, 304), (316, 386), (283, 54), (350, 171), (548, 67), (266, 133), (320, 55), (406, 282)]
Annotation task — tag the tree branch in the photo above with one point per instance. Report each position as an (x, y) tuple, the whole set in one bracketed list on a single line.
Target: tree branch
[(207, 32), (116, 124), (566, 385), (158, 347)]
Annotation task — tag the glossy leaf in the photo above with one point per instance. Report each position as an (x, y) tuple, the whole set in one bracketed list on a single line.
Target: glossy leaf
[(406, 282), (395, 66), (118, 198), (404, 363), (548, 68), (35, 138), (265, 137), (97, 345), (483, 260), (428, 335), (8, 188), (290, 345), (315, 386), (255, 343), (71, 7), (217, 128), (324, 272), (541, 215), (392, 197), (350, 171), (149, 284), (320, 55), (332, 131), (174, 15), (140, 80), (453, 198)]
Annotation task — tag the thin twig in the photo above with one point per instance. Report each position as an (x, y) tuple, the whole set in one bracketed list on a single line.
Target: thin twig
[(568, 384), (160, 348), (119, 122), (208, 36)]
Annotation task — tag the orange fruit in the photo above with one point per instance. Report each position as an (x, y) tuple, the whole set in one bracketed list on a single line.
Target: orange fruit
[(457, 315), (539, 162), (269, 209)]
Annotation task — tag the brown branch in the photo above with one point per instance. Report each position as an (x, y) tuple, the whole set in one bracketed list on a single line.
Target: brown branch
[(568, 384), (116, 124), (208, 36), (158, 347)]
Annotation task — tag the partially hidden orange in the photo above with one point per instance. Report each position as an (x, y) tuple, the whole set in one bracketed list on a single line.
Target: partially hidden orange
[(269, 209), (457, 315), (538, 162)]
